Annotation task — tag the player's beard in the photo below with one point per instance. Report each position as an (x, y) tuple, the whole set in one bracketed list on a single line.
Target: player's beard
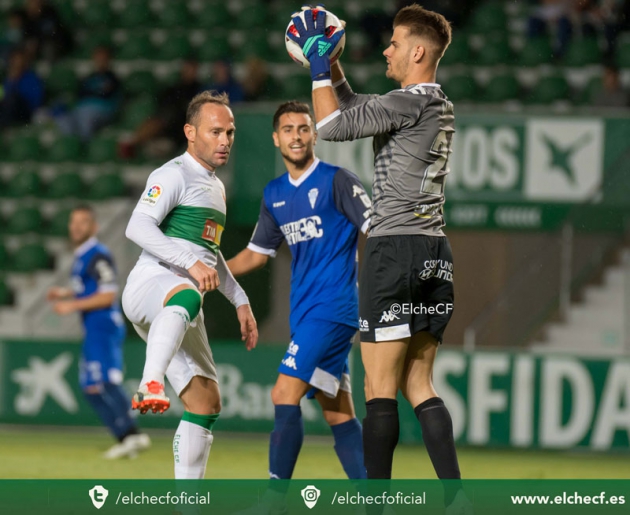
[(398, 70), (300, 164)]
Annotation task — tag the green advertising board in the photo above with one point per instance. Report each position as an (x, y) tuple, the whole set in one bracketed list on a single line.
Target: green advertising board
[(508, 172), (498, 399)]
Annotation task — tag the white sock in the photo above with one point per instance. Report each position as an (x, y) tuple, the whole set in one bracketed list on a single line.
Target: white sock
[(165, 336), (191, 448)]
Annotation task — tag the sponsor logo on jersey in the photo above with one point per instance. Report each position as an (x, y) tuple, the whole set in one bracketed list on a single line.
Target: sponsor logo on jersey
[(364, 325), (293, 348), (439, 268), (387, 317), (312, 197), (289, 362), (302, 230), (279, 204), (152, 195), (212, 231)]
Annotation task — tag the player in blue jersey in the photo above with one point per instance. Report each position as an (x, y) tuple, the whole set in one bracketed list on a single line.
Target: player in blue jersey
[(94, 294), (318, 209)]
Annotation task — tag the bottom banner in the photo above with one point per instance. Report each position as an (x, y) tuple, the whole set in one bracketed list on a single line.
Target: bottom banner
[(481, 497)]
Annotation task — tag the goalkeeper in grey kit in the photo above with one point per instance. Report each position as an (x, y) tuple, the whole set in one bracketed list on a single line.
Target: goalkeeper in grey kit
[(406, 248)]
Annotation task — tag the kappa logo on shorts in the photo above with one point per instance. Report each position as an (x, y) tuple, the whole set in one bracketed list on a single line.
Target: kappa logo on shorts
[(364, 325), (289, 362), (387, 317)]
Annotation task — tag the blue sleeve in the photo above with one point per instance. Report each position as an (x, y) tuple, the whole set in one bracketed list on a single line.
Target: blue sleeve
[(351, 199), (101, 269), (267, 236)]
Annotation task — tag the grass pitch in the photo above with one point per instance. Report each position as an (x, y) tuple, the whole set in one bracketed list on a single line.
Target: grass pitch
[(76, 453)]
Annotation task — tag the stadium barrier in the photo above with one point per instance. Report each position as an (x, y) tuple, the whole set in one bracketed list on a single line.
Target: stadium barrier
[(496, 399)]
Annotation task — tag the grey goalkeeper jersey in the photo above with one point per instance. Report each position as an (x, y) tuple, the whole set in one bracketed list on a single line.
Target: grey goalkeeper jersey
[(412, 129)]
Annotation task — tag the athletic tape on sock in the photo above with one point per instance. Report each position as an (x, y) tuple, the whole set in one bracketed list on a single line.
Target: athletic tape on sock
[(206, 421), (188, 299)]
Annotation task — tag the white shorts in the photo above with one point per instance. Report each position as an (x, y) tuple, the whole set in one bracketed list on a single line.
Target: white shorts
[(142, 300)]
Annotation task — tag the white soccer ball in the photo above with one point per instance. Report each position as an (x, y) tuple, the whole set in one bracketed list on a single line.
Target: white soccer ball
[(333, 25)]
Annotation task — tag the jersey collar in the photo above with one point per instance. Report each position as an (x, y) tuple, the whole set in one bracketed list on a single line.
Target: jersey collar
[(85, 246), (305, 175), (192, 163)]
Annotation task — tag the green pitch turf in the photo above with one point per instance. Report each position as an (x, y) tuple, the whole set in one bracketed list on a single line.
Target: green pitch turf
[(74, 453)]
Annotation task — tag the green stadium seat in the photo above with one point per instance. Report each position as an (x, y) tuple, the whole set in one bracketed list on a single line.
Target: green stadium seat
[(377, 84), (61, 80), (253, 16), (137, 46), (67, 12), (25, 147), (106, 187), (502, 88), (216, 46), (64, 148), (58, 224), (461, 88), (6, 295), (65, 185), (489, 17), (496, 51), (174, 14), (536, 52), (91, 40), (256, 45), (97, 13), (458, 52), (298, 86), (136, 112), (140, 82), (24, 183), (583, 52), (25, 220), (32, 257), (622, 57), (587, 93), (215, 17), (176, 46), (548, 90), (4, 257), (136, 14), (102, 149)]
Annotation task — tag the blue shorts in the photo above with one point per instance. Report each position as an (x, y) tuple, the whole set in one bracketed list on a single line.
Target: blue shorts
[(102, 357), (318, 355)]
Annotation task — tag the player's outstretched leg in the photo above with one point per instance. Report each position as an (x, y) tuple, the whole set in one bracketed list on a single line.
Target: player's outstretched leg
[(193, 439), (164, 339), (346, 429)]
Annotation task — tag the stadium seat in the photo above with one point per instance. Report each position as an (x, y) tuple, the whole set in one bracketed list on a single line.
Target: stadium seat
[(31, 257), (297, 86), (58, 224), (136, 14), (140, 82), (25, 147), (4, 257), (489, 17), (255, 45), (458, 52), (548, 90), (502, 88), (623, 55), (64, 148), (495, 51), (24, 183), (61, 80), (176, 46), (377, 84), (6, 295), (136, 112), (216, 46), (67, 12), (137, 46), (107, 186), (583, 52), (65, 185), (173, 14), (91, 39), (97, 13), (461, 88), (588, 92), (102, 149), (254, 16), (536, 52), (24, 220), (215, 17)]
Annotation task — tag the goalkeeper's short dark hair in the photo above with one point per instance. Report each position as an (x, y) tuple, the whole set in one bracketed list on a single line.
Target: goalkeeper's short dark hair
[(86, 208), (426, 24), (292, 106)]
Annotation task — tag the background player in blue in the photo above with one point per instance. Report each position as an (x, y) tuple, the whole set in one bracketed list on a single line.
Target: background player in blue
[(318, 209), (94, 294)]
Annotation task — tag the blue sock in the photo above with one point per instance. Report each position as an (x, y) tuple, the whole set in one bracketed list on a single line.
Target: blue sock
[(112, 407), (349, 448), (286, 441)]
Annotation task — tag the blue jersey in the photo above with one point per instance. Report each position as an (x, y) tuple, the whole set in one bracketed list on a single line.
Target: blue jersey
[(94, 271), (319, 216)]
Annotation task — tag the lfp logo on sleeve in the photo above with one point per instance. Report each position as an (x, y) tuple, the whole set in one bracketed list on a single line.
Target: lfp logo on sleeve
[(152, 195)]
